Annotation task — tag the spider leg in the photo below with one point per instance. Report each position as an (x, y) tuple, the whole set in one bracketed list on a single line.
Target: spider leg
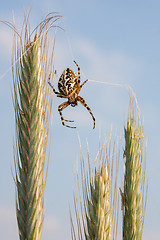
[(78, 73), (58, 93), (61, 96), (53, 88), (82, 101), (60, 109), (79, 89), (83, 83)]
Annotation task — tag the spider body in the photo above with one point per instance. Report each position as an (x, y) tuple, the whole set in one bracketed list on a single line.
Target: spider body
[(68, 82), (69, 87)]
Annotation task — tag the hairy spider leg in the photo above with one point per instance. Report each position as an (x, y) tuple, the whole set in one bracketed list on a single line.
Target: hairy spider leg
[(60, 109), (53, 88), (79, 77), (82, 101), (58, 93), (83, 83), (79, 89)]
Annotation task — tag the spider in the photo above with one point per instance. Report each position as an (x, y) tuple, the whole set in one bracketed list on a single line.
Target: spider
[(69, 87)]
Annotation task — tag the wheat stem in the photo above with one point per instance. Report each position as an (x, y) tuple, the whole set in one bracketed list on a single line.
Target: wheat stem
[(134, 181), (97, 216), (32, 105)]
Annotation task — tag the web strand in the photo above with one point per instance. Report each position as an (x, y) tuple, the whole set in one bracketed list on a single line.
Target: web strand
[(125, 86)]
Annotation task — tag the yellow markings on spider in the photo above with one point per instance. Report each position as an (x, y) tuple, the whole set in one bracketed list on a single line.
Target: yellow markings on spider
[(69, 87)]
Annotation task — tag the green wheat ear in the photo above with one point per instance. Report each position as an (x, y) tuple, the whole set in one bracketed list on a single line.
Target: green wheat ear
[(133, 196), (32, 104), (98, 215)]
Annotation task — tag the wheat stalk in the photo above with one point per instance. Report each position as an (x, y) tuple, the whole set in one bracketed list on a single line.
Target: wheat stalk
[(32, 104), (97, 217), (133, 197)]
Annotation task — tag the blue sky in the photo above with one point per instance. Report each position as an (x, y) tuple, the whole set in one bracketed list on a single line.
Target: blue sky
[(116, 42)]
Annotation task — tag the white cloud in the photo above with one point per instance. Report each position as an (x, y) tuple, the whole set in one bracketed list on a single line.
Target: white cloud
[(6, 43), (51, 227), (55, 229), (97, 63), (151, 235), (8, 223), (51, 223), (111, 66)]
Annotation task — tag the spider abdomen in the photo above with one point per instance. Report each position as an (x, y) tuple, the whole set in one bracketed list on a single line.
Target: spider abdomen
[(69, 87), (68, 82)]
